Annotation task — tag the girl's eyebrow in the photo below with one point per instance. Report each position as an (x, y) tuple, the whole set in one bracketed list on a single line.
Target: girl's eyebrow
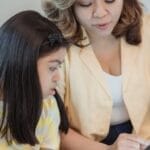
[(56, 61)]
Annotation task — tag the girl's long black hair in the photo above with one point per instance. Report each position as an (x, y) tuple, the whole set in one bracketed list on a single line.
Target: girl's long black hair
[(64, 124), (23, 39)]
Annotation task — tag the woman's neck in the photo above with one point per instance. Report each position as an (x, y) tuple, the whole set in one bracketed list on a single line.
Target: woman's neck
[(105, 44), (108, 52)]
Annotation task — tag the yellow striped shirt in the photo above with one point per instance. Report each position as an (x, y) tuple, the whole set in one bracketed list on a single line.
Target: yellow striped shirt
[(47, 130)]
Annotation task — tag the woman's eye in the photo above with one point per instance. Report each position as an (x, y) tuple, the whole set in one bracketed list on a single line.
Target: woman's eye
[(85, 5), (109, 1)]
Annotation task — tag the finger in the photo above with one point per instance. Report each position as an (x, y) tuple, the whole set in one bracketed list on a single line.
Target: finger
[(128, 144), (142, 142), (133, 145), (139, 140), (145, 147)]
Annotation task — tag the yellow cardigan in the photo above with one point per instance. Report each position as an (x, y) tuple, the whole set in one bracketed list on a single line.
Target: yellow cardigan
[(86, 96)]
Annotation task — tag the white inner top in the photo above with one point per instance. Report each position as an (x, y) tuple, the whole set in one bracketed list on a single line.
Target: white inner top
[(119, 111)]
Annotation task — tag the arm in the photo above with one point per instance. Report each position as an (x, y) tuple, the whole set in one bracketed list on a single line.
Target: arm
[(74, 141)]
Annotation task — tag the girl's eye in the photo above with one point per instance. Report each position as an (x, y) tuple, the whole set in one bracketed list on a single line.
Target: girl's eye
[(109, 1), (52, 69)]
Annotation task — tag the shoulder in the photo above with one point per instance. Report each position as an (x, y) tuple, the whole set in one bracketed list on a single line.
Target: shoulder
[(146, 25), (50, 115), (85, 45), (47, 130), (146, 19), (143, 49)]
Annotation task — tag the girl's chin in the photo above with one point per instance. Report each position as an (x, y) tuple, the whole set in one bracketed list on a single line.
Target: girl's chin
[(52, 92)]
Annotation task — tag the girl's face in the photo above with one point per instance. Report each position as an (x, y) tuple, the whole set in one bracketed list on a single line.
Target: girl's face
[(98, 17), (48, 70)]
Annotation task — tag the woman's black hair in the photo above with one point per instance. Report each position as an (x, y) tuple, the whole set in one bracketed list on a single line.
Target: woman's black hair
[(23, 39)]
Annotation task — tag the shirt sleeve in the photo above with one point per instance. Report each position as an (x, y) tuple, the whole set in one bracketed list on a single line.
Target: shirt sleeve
[(48, 126)]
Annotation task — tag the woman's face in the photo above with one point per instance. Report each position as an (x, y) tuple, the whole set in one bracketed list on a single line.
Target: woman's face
[(98, 17), (48, 70)]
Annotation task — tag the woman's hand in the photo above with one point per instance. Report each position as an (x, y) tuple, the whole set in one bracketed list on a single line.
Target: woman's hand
[(129, 142)]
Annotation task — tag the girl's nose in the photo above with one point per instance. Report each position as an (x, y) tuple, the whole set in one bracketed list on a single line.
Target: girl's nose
[(56, 76)]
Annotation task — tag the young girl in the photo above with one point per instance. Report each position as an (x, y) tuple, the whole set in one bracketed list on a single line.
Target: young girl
[(31, 50), (106, 89)]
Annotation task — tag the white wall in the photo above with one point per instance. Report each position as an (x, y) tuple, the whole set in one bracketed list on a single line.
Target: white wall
[(146, 5), (10, 7)]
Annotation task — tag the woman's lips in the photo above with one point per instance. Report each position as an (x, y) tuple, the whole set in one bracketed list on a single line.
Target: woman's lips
[(103, 26)]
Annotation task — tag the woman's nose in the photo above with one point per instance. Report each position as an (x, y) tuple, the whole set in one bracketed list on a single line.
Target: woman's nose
[(100, 9)]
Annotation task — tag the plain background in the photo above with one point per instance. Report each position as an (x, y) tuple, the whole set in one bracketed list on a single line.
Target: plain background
[(10, 7), (146, 5)]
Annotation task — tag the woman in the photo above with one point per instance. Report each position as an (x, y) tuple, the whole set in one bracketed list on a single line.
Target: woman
[(31, 51), (106, 73)]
